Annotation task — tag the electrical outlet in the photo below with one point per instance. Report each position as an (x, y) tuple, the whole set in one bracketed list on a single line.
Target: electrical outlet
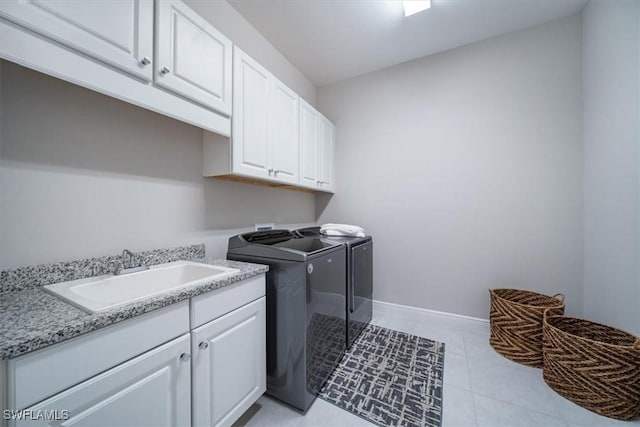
[(263, 227)]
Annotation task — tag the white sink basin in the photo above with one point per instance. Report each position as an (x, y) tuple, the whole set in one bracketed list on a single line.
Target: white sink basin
[(101, 293)]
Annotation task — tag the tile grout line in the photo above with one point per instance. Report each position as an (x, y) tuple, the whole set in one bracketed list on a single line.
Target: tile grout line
[(473, 399), (557, 417), (474, 393)]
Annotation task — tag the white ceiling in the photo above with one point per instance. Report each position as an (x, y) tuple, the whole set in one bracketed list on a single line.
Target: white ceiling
[(333, 40)]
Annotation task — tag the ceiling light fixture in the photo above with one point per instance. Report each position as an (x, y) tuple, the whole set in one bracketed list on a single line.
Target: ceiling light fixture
[(415, 6)]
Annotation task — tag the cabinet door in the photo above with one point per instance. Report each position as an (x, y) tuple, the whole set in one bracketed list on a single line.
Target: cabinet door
[(229, 365), (149, 390), (326, 154), (119, 33), (193, 58), (250, 125), (308, 145), (284, 133)]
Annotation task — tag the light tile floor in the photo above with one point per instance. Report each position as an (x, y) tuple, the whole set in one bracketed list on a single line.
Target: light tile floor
[(481, 388)]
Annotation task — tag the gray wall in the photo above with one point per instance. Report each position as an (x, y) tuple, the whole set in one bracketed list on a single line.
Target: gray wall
[(466, 166), (82, 174), (611, 140)]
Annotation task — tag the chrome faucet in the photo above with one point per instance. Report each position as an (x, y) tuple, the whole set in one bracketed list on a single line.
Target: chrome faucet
[(127, 254), (126, 265)]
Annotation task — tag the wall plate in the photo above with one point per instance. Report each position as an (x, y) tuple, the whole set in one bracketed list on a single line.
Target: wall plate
[(263, 227)]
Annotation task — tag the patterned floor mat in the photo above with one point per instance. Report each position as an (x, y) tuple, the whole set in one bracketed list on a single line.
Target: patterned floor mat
[(390, 378)]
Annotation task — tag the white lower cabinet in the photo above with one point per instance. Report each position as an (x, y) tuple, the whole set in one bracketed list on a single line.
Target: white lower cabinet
[(149, 390), (198, 362), (229, 365)]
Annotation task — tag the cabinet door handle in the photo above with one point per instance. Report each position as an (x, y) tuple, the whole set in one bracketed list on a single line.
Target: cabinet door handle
[(270, 171), (184, 357), (145, 61), (203, 345), (165, 70)]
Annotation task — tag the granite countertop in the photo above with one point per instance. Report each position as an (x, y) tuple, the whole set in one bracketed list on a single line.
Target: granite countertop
[(31, 318)]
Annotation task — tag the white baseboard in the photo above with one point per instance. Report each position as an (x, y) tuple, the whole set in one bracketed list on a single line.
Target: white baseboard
[(426, 310)]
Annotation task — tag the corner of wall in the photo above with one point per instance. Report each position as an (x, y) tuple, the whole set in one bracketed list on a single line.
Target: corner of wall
[(226, 19), (611, 280), (3, 391), (638, 139), (1, 102)]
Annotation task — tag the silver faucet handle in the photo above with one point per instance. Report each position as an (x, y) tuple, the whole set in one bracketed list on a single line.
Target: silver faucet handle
[(127, 253), (127, 258)]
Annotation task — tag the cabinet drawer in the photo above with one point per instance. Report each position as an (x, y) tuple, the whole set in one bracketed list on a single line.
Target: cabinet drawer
[(38, 375), (211, 305), (151, 390)]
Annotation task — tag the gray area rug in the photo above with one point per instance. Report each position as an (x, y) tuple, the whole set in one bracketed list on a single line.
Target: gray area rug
[(390, 378)]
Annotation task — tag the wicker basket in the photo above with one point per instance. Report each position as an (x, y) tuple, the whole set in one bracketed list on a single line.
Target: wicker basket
[(593, 365), (516, 323)]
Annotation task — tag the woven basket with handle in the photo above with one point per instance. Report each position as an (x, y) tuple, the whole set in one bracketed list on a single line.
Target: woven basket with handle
[(593, 365), (516, 323)]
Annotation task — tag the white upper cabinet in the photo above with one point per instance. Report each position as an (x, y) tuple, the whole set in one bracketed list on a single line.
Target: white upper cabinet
[(283, 139), (193, 59), (250, 127), (164, 57), (114, 48), (276, 136), (317, 147), (308, 145), (119, 33), (265, 123), (326, 154)]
